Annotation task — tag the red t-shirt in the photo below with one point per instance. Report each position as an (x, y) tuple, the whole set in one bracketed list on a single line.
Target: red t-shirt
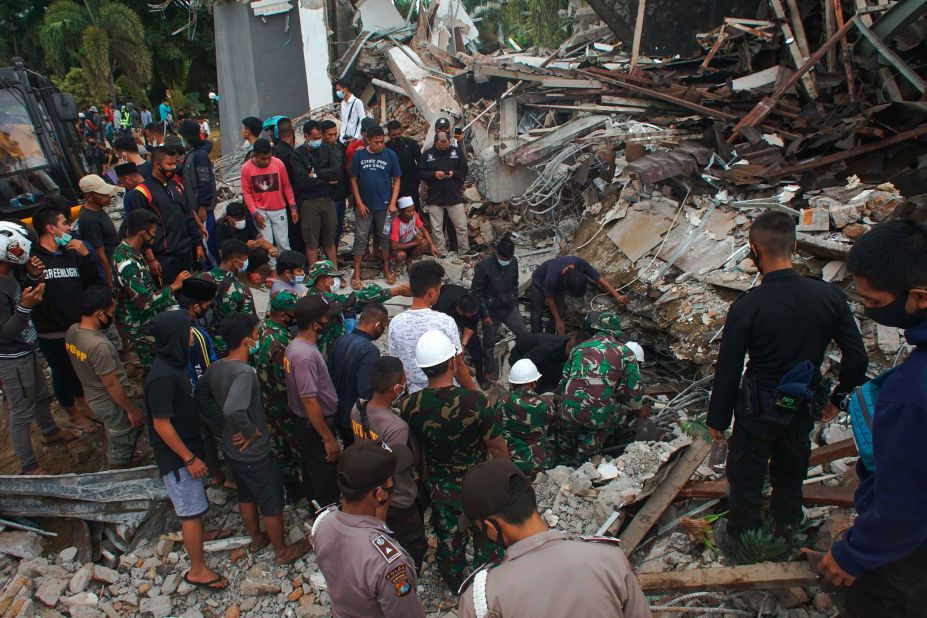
[(349, 152), (404, 231)]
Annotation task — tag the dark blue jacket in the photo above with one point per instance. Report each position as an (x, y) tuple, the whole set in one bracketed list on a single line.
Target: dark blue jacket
[(352, 359), (892, 502), (198, 177)]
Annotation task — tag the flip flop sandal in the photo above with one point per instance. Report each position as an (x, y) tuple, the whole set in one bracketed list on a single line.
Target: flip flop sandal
[(210, 585)]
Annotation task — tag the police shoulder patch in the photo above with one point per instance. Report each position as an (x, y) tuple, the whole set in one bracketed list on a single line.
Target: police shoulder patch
[(387, 549), (399, 578)]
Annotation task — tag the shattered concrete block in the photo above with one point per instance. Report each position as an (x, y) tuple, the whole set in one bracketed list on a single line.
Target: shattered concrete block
[(158, 607), (164, 547), (845, 214), (259, 581), (67, 555), (834, 271), (25, 545), (814, 220), (49, 591), (888, 338), (81, 579), (579, 483), (81, 611), (855, 230), (105, 575), (87, 599), (171, 582)]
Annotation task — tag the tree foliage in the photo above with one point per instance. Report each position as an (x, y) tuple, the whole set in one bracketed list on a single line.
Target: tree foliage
[(527, 22), (111, 41)]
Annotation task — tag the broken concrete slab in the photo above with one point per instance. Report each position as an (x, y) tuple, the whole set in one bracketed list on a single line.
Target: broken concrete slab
[(639, 232), (498, 182), (430, 93), (888, 338), (22, 544), (50, 590), (814, 220), (538, 149)]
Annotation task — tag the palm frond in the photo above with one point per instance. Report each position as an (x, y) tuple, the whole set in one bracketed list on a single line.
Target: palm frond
[(115, 17), (95, 47), (60, 33), (133, 59)]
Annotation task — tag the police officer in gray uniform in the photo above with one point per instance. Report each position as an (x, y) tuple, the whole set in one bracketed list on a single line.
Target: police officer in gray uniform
[(543, 573), (368, 573)]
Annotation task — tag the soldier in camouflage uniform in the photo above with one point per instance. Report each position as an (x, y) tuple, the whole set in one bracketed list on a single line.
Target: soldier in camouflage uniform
[(138, 300), (273, 337), (456, 428), (233, 295), (601, 383), (526, 418), (324, 279)]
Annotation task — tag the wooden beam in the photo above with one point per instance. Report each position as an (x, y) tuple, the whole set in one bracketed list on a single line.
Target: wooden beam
[(548, 81), (830, 27), (832, 452), (748, 577), (764, 107), (792, 43), (845, 49), (812, 495), (856, 152), (638, 33), (660, 500), (799, 27)]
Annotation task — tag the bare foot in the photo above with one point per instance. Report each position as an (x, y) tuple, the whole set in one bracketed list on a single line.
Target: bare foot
[(356, 283), (259, 543), (291, 553), (390, 277), (208, 580), (64, 435)]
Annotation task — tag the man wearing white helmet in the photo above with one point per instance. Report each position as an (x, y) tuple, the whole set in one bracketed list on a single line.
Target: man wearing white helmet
[(455, 428), (23, 379), (526, 419)]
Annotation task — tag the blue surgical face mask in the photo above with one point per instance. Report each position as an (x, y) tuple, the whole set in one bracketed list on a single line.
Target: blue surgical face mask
[(63, 240), (244, 265), (253, 349), (503, 263), (315, 143), (340, 94), (299, 278)]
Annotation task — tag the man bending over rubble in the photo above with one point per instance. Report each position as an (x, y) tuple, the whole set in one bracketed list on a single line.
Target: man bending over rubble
[(601, 382), (785, 324)]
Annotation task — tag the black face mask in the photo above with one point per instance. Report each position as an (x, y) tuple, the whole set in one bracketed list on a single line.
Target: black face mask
[(756, 259), (894, 314), (490, 546)]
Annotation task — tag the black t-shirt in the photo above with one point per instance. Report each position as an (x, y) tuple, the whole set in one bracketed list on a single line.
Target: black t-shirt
[(97, 228), (224, 231), (447, 304)]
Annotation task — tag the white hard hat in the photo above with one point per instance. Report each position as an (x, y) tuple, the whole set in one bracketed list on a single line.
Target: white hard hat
[(637, 349), (14, 243), (524, 372), (433, 348)]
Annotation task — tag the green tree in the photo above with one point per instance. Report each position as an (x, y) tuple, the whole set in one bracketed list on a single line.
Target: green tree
[(19, 27), (111, 40)]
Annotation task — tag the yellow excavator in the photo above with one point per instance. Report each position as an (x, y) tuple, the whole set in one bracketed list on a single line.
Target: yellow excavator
[(41, 155)]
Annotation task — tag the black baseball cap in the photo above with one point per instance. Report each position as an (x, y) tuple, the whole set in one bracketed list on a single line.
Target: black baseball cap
[(442, 123), (312, 307), (488, 488), (365, 464), (367, 122)]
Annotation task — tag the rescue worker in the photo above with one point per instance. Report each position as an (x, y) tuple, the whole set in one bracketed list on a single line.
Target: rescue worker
[(526, 418), (138, 299), (379, 579), (325, 280), (565, 274), (544, 574), (455, 428), (232, 295), (274, 335), (601, 383), (785, 324)]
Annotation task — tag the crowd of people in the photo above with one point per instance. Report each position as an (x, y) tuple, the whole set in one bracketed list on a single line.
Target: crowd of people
[(301, 404)]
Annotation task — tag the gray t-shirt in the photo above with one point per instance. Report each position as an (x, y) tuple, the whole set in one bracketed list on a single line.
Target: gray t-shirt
[(94, 355), (307, 376), (230, 389), (403, 335), (384, 425)]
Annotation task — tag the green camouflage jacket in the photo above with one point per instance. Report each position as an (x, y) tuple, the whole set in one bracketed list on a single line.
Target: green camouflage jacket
[(451, 425), (600, 378), (526, 418), (237, 298), (370, 293), (273, 338), (138, 301)]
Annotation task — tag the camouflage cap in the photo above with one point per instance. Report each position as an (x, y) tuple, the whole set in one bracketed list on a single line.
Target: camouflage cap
[(284, 300), (609, 323), (322, 268)]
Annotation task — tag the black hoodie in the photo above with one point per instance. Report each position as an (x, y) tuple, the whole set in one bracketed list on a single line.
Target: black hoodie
[(66, 276), (168, 391)]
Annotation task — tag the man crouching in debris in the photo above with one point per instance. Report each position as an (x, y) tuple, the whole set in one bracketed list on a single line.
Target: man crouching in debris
[(785, 324), (883, 556), (532, 579), (601, 381)]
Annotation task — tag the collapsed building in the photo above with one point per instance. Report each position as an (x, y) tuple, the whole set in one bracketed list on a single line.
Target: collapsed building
[(645, 143)]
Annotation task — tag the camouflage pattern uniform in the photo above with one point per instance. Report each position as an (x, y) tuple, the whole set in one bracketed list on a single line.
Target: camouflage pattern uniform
[(368, 294), (526, 417), (138, 301), (273, 339), (451, 424), (237, 298), (601, 382)]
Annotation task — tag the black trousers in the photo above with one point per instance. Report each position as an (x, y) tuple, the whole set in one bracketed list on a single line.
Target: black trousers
[(758, 447), (408, 526), (173, 265), (895, 590), (319, 476), (539, 308), (475, 352)]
